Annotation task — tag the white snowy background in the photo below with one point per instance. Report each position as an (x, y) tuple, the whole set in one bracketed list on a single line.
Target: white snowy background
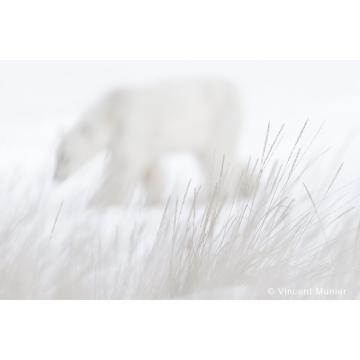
[(41, 99)]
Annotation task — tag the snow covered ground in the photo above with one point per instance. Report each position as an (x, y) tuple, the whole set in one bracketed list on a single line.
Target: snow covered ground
[(39, 99)]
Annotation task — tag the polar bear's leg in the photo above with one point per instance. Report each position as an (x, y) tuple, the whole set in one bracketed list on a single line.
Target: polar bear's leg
[(114, 190), (219, 158), (119, 184), (222, 170), (154, 184)]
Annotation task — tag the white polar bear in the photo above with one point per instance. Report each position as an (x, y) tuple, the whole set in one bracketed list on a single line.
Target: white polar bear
[(139, 125)]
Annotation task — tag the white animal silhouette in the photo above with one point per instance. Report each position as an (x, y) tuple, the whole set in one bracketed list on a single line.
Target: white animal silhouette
[(139, 125)]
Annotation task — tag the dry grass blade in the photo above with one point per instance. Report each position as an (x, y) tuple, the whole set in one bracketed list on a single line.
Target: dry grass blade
[(265, 143), (270, 152), (333, 180), (55, 221), (218, 247), (317, 214)]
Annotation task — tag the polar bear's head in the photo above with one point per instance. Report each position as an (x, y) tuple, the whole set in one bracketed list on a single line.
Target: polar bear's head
[(82, 143)]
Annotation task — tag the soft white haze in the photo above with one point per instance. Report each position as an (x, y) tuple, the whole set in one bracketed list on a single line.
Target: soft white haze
[(41, 100), (138, 126)]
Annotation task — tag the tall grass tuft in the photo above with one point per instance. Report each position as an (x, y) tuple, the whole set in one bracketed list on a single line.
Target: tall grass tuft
[(285, 239)]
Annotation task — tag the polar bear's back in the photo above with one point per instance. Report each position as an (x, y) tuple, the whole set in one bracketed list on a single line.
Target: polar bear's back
[(181, 115), (137, 126)]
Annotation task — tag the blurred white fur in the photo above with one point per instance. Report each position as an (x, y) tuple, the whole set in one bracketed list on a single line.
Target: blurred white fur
[(140, 125)]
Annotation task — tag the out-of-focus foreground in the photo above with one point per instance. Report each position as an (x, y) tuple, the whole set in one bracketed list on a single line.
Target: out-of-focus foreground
[(285, 240)]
